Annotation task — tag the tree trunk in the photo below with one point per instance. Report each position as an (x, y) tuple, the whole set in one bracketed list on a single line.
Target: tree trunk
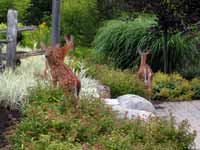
[(165, 50), (55, 37)]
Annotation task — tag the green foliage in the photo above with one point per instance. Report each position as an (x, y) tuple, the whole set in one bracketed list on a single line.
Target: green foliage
[(119, 40), (45, 127), (195, 83), (32, 39), (3, 26), (181, 49), (21, 6), (190, 71), (107, 9), (4, 6), (38, 12), (79, 19), (83, 53), (171, 87), (120, 82)]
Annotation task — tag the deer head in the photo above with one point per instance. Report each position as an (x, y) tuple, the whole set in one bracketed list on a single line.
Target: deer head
[(143, 55), (50, 53)]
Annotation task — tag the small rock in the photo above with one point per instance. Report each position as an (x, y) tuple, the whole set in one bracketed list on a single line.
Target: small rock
[(104, 91), (133, 102)]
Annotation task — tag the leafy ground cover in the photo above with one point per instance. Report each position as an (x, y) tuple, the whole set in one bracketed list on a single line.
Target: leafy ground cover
[(48, 125)]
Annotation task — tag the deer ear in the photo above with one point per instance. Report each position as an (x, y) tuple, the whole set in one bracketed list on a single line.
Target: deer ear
[(139, 51), (69, 39), (148, 52), (43, 46)]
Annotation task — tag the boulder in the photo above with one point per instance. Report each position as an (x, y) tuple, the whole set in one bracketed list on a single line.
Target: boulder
[(132, 113), (111, 102), (134, 102)]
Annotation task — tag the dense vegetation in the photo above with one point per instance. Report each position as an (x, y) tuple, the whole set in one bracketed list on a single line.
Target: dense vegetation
[(46, 127), (108, 34)]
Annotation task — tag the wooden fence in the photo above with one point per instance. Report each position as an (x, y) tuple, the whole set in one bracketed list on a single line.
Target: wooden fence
[(11, 33), (12, 30)]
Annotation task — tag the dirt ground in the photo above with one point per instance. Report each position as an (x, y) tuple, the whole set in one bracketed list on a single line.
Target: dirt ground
[(8, 118)]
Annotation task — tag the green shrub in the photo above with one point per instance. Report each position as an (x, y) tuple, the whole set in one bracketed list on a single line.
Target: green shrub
[(38, 11), (22, 7), (4, 6), (79, 19), (190, 71), (195, 83), (120, 82), (171, 87), (32, 39), (3, 26), (118, 41), (44, 127), (83, 53)]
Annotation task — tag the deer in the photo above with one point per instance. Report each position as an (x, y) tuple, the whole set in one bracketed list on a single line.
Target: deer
[(61, 73), (145, 72), (62, 52)]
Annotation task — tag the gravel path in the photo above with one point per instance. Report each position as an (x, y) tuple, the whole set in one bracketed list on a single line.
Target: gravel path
[(189, 110)]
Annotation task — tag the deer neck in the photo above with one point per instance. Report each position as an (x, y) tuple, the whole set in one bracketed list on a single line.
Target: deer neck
[(143, 60), (66, 49)]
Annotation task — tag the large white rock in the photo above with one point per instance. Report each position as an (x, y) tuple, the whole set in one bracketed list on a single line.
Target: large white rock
[(111, 102), (133, 102), (132, 113)]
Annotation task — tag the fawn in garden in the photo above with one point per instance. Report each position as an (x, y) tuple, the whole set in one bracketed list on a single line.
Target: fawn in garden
[(61, 52), (145, 72), (62, 73)]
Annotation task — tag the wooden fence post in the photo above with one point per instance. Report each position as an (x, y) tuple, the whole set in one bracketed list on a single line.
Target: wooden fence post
[(12, 38), (1, 54), (55, 36)]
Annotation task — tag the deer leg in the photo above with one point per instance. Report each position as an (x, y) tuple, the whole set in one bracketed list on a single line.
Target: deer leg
[(75, 98), (150, 84), (67, 95), (45, 70)]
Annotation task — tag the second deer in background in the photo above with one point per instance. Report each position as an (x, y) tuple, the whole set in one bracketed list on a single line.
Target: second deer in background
[(145, 72)]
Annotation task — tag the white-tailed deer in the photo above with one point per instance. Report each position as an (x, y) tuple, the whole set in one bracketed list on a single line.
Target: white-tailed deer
[(145, 72), (62, 73), (61, 52)]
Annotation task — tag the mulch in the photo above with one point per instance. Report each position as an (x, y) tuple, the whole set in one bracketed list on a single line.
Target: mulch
[(8, 118)]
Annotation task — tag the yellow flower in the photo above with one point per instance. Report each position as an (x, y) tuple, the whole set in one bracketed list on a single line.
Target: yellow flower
[(43, 25)]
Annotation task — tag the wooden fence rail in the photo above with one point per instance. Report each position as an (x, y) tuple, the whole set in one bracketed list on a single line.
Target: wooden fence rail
[(4, 41), (23, 54), (21, 29)]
